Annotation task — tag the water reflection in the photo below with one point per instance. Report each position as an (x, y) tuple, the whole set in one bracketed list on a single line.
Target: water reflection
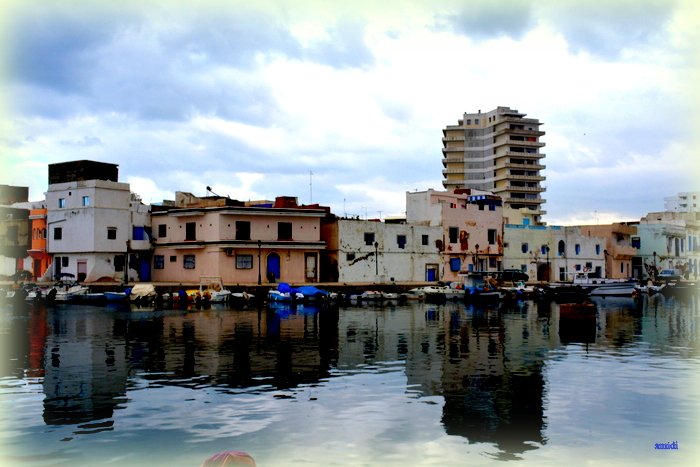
[(487, 364)]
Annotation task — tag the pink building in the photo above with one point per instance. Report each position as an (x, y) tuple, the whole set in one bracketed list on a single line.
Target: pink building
[(472, 222), (241, 244)]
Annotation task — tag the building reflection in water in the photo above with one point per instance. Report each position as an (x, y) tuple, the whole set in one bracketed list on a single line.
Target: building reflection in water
[(487, 363)]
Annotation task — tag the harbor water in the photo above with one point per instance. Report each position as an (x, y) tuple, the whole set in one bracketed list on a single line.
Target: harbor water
[(411, 384)]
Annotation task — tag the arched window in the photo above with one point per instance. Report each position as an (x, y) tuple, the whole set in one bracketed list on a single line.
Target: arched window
[(561, 248)]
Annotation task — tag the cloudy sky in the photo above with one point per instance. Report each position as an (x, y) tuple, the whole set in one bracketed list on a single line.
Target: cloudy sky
[(250, 98)]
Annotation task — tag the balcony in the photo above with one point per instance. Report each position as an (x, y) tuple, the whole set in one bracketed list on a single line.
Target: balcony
[(523, 155), (623, 252), (452, 138), (624, 229), (455, 183), (527, 121), (528, 189), (512, 131), (453, 171), (524, 200), (449, 160), (525, 144), (511, 165), (531, 178), (446, 150)]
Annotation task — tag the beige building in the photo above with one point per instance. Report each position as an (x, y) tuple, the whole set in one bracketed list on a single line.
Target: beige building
[(498, 151)]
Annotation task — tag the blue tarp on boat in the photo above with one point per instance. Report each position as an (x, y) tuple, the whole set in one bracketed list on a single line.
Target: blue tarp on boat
[(311, 290)]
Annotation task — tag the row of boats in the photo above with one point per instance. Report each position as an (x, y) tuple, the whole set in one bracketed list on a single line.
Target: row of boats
[(476, 287)]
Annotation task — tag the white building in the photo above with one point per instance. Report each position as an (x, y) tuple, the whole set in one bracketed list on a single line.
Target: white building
[(370, 251), (97, 229), (669, 240), (683, 202), (553, 252)]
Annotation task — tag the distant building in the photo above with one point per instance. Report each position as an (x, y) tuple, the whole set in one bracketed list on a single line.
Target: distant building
[(497, 151), (669, 240), (97, 229), (684, 202), (216, 236)]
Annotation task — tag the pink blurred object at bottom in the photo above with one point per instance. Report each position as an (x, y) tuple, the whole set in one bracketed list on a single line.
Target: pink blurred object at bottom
[(229, 458)]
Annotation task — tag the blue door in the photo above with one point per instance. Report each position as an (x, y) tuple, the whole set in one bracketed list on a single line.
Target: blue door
[(273, 265), (431, 275)]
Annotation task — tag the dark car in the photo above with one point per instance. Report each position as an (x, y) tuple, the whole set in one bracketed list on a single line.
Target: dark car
[(513, 275), (669, 275)]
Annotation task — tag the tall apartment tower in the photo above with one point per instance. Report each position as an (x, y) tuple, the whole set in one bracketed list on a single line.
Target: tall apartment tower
[(497, 151)]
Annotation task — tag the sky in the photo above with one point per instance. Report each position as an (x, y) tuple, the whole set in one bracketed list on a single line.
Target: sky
[(343, 103)]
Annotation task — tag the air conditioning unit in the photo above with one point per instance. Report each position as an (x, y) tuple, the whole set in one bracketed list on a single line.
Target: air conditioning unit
[(229, 252)]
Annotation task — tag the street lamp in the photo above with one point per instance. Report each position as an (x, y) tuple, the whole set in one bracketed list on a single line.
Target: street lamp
[(654, 271), (259, 276), (476, 256), (549, 270), (376, 259)]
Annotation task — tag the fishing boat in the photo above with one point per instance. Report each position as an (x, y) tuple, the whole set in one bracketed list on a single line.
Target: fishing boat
[(211, 288)]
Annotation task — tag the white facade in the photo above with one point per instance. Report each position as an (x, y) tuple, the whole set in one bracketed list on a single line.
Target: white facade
[(404, 253), (670, 240), (684, 202), (525, 248), (92, 226)]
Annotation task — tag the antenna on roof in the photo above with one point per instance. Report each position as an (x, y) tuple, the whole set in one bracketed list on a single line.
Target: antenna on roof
[(210, 190)]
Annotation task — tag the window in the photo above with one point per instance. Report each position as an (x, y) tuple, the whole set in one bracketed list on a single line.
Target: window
[(61, 202), (589, 266), (188, 262), (111, 233), (242, 230), (284, 230), (369, 238), (162, 230), (244, 261), (577, 249), (64, 261), (425, 240), (86, 201), (138, 233), (401, 241), (492, 236), (191, 231), (469, 121), (349, 256), (524, 248), (455, 264), (597, 249), (523, 267), (454, 234), (578, 267), (543, 249), (158, 262), (58, 233), (622, 267), (173, 259), (476, 121), (561, 248)]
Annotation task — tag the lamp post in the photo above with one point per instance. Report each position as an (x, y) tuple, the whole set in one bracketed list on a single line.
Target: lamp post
[(259, 276), (376, 259), (476, 257), (654, 270), (549, 270)]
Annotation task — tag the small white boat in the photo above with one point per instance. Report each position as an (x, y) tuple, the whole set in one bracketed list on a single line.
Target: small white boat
[(211, 288), (143, 292), (73, 292)]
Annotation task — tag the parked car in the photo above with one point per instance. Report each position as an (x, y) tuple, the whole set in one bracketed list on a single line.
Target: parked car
[(668, 275)]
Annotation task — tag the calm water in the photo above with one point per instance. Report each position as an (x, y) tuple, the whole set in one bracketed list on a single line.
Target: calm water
[(408, 385)]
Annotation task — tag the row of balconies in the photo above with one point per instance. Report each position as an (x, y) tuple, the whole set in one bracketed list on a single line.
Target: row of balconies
[(509, 142), (528, 189)]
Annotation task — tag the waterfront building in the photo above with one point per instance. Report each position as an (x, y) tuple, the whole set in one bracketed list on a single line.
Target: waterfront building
[(40, 261), (620, 252), (553, 252), (669, 240), (498, 151), (97, 229), (472, 228), (683, 202), (374, 251), (218, 236)]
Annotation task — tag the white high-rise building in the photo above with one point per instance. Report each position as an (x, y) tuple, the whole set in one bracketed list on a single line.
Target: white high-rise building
[(683, 202), (497, 151)]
